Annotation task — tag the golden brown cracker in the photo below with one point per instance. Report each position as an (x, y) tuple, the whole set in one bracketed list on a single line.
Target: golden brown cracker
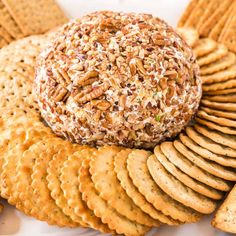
[(219, 106), (4, 34), (204, 47), (221, 92), (185, 195), (190, 35), (224, 218), (26, 14), (223, 114), (221, 98), (220, 86), (138, 171)]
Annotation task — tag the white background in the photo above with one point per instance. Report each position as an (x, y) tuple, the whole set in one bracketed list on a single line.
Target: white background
[(13, 222)]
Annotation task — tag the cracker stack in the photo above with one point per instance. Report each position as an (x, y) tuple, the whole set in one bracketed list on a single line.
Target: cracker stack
[(27, 17), (215, 19)]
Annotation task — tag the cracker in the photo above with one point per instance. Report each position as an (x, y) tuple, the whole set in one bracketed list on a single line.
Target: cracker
[(217, 120), (209, 144), (3, 42), (197, 13), (221, 92), (190, 35), (102, 167), (187, 12), (4, 34), (219, 65), (138, 171), (1, 208), (220, 51), (221, 98), (39, 183), (219, 106), (53, 178), (132, 191), (8, 22), (210, 167), (205, 153), (223, 114), (101, 209), (187, 180), (28, 17), (191, 169), (204, 47), (220, 86), (214, 17), (168, 183), (224, 218), (70, 185)]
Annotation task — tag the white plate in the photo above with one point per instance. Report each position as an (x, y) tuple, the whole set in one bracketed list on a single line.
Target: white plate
[(12, 222)]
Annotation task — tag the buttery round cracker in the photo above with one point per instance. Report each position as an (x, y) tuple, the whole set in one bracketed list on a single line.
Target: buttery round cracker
[(221, 92), (209, 144), (220, 51), (190, 35), (53, 178), (169, 184), (210, 167), (185, 179), (48, 148), (219, 106), (219, 86), (204, 47), (70, 185), (221, 98), (216, 136), (101, 209), (102, 167), (225, 62), (132, 191), (220, 76), (205, 153), (138, 171), (217, 120), (223, 114), (214, 126), (191, 169)]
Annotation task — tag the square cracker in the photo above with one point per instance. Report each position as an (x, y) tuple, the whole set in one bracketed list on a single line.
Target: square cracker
[(225, 217), (36, 16), (5, 35), (8, 23)]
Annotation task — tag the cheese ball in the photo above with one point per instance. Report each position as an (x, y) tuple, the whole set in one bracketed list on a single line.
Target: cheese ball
[(114, 78)]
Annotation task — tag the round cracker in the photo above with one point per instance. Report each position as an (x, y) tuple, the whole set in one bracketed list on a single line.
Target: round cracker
[(70, 185), (221, 92), (204, 46), (127, 184), (102, 167), (138, 171), (219, 106), (185, 195), (190, 35), (205, 153), (191, 169), (187, 180), (221, 98), (223, 114), (101, 209), (219, 86)]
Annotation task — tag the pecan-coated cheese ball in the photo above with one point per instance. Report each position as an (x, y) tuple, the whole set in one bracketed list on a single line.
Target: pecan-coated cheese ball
[(117, 78)]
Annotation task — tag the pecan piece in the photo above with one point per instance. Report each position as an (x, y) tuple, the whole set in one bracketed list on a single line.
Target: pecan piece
[(60, 93), (81, 81)]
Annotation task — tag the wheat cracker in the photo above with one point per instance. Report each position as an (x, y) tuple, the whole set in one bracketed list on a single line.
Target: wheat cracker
[(185, 195), (205, 153), (126, 183), (224, 218), (219, 106), (191, 169), (108, 215), (138, 171), (187, 180), (204, 46), (70, 187), (223, 114)]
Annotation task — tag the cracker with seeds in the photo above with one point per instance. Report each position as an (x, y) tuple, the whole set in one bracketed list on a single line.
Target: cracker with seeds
[(190, 35), (204, 47), (109, 215), (195, 185), (189, 168), (223, 114), (205, 153), (127, 184), (102, 167), (210, 167), (220, 51), (219, 106), (26, 14), (70, 187), (219, 65), (185, 195), (209, 144), (224, 218), (138, 171)]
